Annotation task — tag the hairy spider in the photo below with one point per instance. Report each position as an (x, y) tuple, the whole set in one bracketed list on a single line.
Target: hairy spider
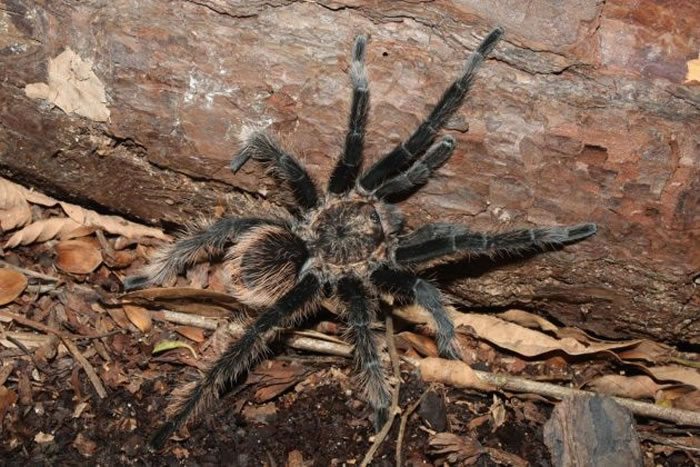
[(347, 243)]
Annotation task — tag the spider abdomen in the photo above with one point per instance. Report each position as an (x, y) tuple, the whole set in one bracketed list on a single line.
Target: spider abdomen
[(264, 264), (347, 232)]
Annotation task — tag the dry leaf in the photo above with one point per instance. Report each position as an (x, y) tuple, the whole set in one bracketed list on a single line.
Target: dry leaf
[(465, 451), (139, 317), (275, 377), (529, 320), (12, 284), (119, 317), (649, 351), (42, 437), (8, 398), (14, 209), (112, 224), (678, 374), (498, 414), (46, 229), (85, 446), (78, 256), (511, 336), (635, 387), (452, 373), (192, 333), (688, 401), (198, 301), (421, 344), (73, 87)]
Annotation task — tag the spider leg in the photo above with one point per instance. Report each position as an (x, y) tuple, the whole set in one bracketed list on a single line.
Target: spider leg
[(345, 172), (359, 311), (409, 287), (208, 239), (284, 167), (421, 170), (419, 141), (240, 355), (435, 240)]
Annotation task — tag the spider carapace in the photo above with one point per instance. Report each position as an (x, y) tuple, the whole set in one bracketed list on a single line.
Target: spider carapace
[(346, 232), (347, 243)]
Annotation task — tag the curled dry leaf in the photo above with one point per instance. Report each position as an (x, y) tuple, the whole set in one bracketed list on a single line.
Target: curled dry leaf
[(649, 351), (14, 208), (687, 401), (421, 344), (199, 301), (78, 256), (528, 320), (139, 317), (511, 336), (451, 372), (47, 229), (29, 195), (678, 374), (112, 224), (12, 284), (192, 333), (634, 387)]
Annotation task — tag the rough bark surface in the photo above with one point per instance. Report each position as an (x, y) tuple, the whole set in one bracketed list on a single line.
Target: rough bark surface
[(585, 112)]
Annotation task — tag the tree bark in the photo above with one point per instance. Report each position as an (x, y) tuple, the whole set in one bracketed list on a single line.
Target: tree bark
[(586, 112)]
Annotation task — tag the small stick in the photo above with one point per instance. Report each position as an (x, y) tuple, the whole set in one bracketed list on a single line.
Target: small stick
[(29, 353), (319, 346), (29, 272), (507, 382), (49, 330), (404, 421), (89, 370), (297, 340), (37, 325), (187, 319), (379, 439)]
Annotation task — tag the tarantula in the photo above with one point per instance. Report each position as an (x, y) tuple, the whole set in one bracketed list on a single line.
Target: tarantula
[(348, 244)]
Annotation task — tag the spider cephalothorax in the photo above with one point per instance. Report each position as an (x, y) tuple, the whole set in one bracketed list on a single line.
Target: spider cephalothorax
[(348, 243)]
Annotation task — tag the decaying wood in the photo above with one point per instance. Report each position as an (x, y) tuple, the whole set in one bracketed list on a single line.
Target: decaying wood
[(586, 112)]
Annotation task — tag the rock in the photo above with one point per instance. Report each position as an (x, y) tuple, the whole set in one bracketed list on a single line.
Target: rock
[(592, 430)]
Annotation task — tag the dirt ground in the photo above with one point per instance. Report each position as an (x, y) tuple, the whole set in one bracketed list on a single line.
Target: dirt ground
[(84, 380)]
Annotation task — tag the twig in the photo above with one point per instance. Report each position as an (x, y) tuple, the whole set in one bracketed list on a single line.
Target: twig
[(319, 346), (29, 272), (29, 353), (668, 442), (297, 340), (500, 381), (49, 330), (42, 289), (404, 420), (89, 370), (394, 410), (37, 325), (187, 319)]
